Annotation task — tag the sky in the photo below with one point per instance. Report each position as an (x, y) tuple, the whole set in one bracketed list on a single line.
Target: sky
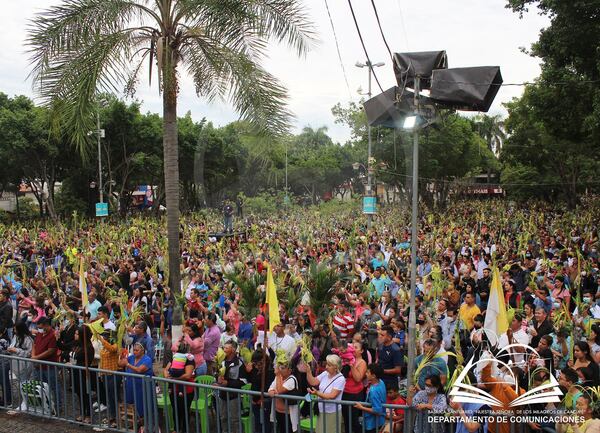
[(473, 33)]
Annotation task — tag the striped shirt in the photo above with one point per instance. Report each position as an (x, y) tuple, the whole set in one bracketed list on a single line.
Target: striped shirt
[(344, 324)]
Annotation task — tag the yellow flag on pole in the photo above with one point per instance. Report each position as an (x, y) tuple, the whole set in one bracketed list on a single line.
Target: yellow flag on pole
[(272, 301), (496, 319), (83, 285)]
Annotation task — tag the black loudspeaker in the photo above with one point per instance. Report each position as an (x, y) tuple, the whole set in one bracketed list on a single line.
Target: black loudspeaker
[(467, 89), (391, 108), (407, 66), (382, 110)]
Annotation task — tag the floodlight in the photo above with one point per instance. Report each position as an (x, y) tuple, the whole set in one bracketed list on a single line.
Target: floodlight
[(410, 122)]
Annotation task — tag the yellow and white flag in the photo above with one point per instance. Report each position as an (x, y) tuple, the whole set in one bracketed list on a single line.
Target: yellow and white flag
[(83, 285), (272, 301), (496, 320)]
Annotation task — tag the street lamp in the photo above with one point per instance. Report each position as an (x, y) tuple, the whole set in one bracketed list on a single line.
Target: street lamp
[(369, 194), (468, 89), (100, 133)]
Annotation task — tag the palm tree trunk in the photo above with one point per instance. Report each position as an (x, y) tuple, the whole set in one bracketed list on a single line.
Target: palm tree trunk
[(171, 157)]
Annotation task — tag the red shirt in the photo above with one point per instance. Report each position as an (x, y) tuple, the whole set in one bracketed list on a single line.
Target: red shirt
[(345, 324), (400, 402), (194, 304), (44, 342)]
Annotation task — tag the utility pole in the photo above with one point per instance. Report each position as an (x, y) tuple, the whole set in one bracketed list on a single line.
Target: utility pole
[(412, 316), (445, 88), (370, 67), (287, 199), (99, 134)]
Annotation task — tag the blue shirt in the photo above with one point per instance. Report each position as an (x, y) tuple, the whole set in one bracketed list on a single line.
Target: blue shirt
[(380, 284), (471, 410), (376, 395), (92, 308), (424, 269), (148, 343), (245, 332), (547, 305), (400, 336), (390, 357), (203, 289), (376, 263)]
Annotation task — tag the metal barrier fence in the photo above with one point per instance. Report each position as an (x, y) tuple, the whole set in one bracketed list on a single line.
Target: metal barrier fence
[(35, 267), (131, 403)]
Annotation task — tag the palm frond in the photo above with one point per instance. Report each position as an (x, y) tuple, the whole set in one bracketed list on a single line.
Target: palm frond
[(70, 65), (286, 21), (220, 72), (320, 284), (282, 20), (248, 288)]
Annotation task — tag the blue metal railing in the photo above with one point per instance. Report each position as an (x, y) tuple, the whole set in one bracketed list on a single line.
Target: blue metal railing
[(127, 402)]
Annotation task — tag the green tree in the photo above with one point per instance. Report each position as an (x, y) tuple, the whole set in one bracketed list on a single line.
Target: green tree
[(550, 134), (131, 151), (316, 164), (33, 154), (491, 129), (450, 150), (389, 148), (80, 46), (554, 128)]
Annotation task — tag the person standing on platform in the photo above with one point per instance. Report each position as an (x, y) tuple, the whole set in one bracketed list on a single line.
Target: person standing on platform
[(227, 217)]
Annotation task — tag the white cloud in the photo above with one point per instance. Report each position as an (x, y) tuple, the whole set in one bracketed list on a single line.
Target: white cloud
[(473, 32)]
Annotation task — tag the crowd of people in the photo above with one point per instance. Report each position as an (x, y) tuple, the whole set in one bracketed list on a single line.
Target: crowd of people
[(343, 290)]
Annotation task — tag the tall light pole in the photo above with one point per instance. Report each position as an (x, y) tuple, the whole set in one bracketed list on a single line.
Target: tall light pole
[(370, 67), (100, 133), (287, 199), (428, 70), (411, 123)]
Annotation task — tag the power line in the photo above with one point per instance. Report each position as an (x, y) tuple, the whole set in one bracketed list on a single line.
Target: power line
[(362, 42), (380, 29), (337, 46)]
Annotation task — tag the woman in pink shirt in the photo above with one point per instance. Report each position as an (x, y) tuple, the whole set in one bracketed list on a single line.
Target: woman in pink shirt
[(37, 305), (192, 336), (234, 317)]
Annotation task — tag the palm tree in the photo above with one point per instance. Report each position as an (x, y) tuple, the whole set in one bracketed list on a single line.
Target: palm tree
[(80, 47), (491, 129)]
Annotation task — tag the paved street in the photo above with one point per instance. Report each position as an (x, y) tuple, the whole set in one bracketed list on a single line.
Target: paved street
[(21, 423)]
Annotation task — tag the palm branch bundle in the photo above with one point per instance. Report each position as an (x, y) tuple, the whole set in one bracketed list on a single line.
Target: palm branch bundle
[(250, 295), (594, 393), (305, 345), (460, 361), (126, 321), (293, 296), (438, 282), (563, 321), (510, 313), (320, 284), (428, 360)]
